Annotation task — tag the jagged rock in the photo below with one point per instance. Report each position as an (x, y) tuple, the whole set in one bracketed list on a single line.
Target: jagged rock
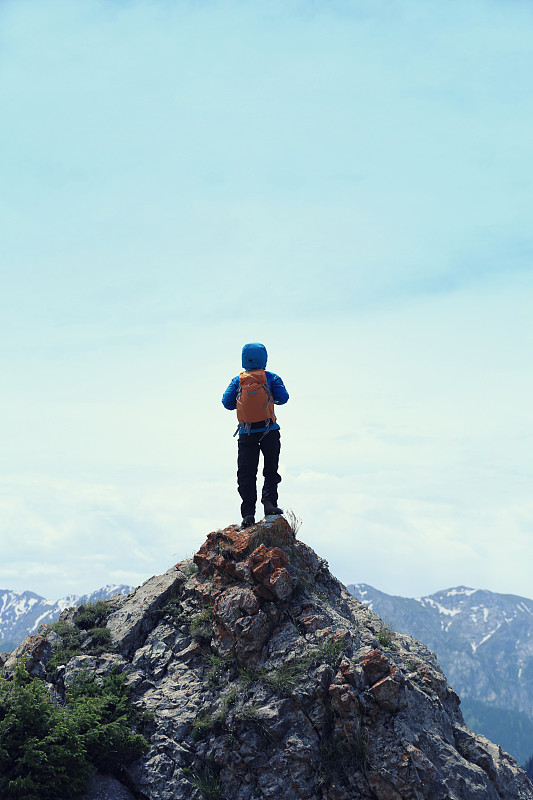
[(375, 665), (130, 624), (36, 650), (266, 679)]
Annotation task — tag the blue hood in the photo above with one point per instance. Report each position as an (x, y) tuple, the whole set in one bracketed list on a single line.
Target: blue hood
[(254, 356)]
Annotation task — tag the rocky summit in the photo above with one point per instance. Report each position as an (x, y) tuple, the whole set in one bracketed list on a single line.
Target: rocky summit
[(260, 676)]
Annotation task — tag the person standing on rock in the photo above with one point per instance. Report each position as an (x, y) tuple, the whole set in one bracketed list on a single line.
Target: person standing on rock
[(253, 394)]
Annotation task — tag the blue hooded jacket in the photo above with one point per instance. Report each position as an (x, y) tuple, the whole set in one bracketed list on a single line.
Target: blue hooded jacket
[(254, 356)]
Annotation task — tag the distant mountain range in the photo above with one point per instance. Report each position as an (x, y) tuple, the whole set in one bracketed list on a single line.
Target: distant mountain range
[(21, 613), (484, 643)]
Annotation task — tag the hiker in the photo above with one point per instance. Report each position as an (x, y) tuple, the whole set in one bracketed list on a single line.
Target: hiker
[(253, 393)]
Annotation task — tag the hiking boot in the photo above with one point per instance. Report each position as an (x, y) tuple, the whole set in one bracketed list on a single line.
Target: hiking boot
[(247, 522), (271, 509)]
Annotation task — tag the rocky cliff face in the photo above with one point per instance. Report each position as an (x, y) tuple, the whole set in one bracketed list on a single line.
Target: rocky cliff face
[(266, 679), (484, 643)]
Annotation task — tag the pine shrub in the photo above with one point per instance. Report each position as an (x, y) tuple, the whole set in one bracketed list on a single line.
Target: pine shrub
[(43, 755), (92, 615), (49, 752)]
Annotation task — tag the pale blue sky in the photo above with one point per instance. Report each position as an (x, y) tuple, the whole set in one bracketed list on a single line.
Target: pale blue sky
[(349, 182)]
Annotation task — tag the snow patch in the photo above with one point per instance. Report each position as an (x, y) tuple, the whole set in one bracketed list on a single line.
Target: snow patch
[(485, 638), (460, 590), (450, 612)]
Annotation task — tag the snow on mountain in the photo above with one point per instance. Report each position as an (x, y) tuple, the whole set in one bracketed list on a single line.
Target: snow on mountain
[(484, 642), (21, 613), (473, 616)]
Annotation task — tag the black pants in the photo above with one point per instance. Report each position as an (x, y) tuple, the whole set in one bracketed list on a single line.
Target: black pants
[(250, 445)]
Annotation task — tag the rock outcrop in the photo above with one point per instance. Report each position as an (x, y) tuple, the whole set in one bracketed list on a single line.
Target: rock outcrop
[(264, 678), (484, 643)]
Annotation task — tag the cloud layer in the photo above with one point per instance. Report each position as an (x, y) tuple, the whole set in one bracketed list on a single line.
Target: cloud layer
[(348, 182)]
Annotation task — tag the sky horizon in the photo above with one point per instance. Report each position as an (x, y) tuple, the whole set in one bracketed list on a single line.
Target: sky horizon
[(349, 183)]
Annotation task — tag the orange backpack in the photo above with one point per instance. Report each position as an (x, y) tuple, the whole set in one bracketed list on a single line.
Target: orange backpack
[(254, 398)]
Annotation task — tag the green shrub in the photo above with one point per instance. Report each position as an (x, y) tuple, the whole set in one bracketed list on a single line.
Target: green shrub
[(385, 636), (70, 647), (218, 668), (90, 618), (248, 676), (328, 651), (42, 754), (203, 724), (92, 615), (72, 638), (100, 642), (207, 720), (172, 609), (189, 568), (48, 752), (284, 679)]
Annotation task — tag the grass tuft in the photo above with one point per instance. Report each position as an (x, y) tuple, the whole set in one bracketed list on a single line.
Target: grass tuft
[(385, 635), (287, 676), (341, 757), (295, 522), (189, 568), (207, 784), (200, 624)]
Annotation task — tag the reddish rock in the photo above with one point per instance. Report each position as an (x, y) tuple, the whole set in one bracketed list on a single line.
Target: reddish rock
[(310, 622), (264, 561), (348, 671), (243, 572), (281, 583), (272, 724), (343, 698), (386, 693), (345, 707), (433, 681), (375, 666), (234, 603), (429, 776), (240, 626), (253, 555), (263, 593), (259, 563), (341, 635)]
